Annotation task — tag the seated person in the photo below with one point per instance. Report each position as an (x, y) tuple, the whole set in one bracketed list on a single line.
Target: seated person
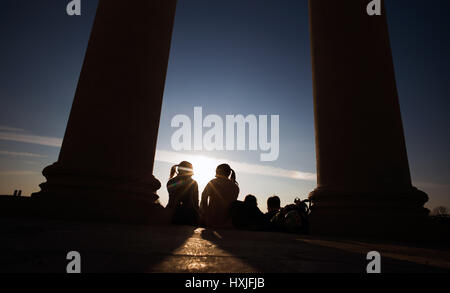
[(217, 197), (273, 207), (246, 215), (183, 195)]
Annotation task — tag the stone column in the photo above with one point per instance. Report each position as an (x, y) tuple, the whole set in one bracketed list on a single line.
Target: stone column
[(105, 166), (363, 179)]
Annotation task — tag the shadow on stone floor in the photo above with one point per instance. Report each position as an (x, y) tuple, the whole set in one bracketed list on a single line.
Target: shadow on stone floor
[(41, 246), (31, 245), (287, 253)]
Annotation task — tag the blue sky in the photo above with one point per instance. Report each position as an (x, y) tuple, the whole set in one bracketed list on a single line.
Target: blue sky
[(230, 57)]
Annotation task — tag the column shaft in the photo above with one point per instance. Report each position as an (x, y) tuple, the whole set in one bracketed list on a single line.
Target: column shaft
[(110, 140), (362, 165)]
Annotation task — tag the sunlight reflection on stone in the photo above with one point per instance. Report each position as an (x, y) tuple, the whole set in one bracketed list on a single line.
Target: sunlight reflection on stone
[(197, 255)]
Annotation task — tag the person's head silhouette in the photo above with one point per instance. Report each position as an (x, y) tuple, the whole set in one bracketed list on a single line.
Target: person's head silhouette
[(182, 169), (273, 203), (224, 170), (250, 200)]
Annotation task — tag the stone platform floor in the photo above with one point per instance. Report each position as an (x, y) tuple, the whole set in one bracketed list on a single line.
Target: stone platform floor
[(42, 245)]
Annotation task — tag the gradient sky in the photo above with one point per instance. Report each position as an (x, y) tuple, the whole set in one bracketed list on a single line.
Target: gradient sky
[(230, 57)]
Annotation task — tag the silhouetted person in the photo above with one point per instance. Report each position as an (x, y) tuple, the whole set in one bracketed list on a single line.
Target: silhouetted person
[(183, 194), (217, 197), (273, 207), (247, 215)]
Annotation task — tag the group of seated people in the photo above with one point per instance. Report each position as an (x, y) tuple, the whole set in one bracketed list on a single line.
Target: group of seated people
[(219, 206)]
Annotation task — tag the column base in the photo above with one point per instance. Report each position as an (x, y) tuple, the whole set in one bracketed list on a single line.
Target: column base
[(78, 195), (386, 214)]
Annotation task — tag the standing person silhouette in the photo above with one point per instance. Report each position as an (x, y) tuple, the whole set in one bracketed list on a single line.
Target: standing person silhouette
[(183, 194), (217, 197)]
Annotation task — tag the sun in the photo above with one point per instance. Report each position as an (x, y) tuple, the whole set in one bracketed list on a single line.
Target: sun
[(204, 170)]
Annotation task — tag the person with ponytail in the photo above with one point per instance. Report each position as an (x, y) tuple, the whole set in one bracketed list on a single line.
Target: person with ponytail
[(183, 194), (217, 197)]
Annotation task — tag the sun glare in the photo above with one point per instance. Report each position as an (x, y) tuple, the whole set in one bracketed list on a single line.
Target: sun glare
[(204, 169)]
